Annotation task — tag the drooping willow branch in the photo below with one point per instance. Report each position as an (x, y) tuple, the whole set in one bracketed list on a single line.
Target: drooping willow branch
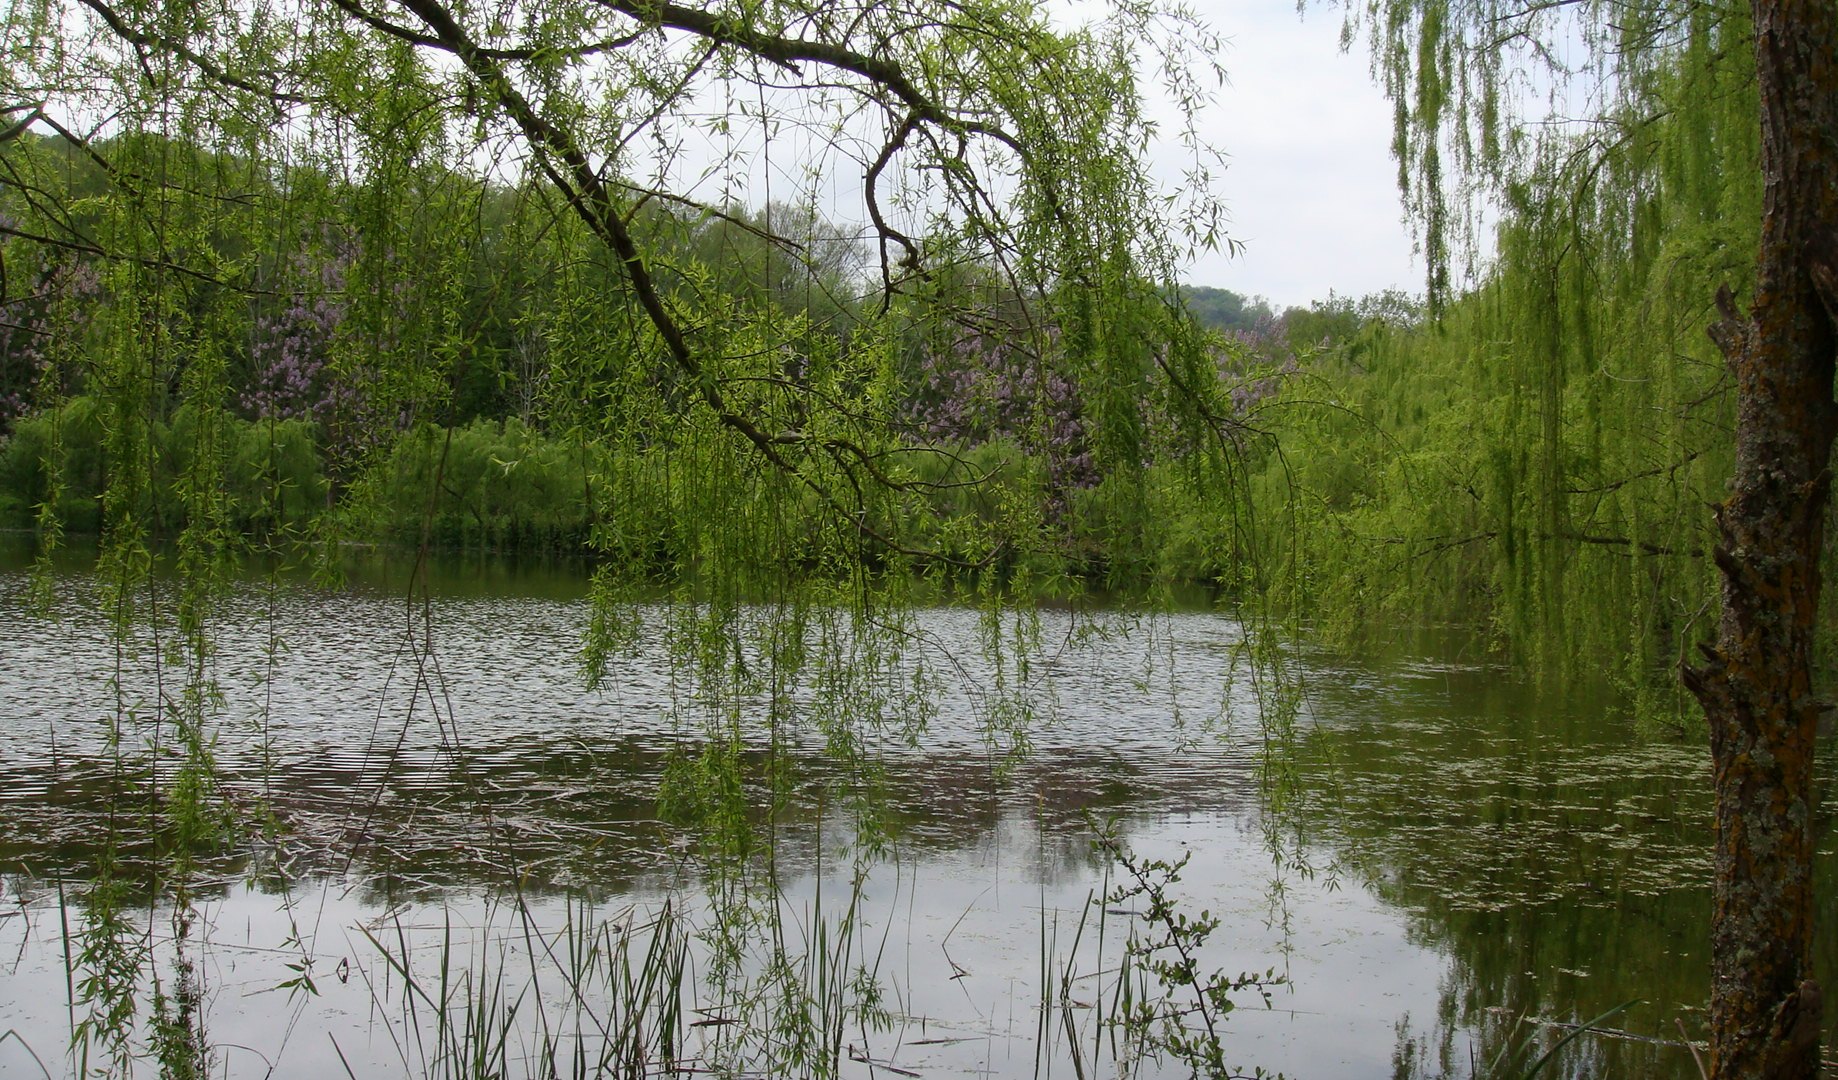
[(921, 120), (78, 241), (156, 43), (592, 197)]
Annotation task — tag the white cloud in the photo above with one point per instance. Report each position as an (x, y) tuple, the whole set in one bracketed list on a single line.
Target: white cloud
[(1311, 187)]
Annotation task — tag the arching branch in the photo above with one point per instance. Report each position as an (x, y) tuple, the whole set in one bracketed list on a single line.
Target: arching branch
[(546, 52), (19, 127), (591, 196)]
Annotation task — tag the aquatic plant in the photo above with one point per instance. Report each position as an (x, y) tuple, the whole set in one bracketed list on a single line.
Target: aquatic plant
[(1166, 1003)]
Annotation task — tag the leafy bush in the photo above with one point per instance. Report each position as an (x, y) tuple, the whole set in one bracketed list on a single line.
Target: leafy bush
[(272, 476), (496, 484)]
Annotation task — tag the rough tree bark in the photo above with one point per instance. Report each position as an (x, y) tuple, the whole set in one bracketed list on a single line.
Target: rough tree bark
[(1756, 682)]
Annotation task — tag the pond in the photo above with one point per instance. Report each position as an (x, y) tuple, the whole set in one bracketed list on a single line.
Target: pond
[(1439, 865)]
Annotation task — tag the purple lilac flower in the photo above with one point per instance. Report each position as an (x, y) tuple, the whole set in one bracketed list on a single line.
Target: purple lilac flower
[(981, 388)]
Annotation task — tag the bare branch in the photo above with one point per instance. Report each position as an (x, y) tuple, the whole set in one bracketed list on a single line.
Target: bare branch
[(870, 182), (13, 131)]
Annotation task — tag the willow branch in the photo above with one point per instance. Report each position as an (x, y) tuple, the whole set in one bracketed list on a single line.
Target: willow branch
[(85, 244), (122, 30), (14, 130), (535, 52), (1658, 470), (563, 160), (870, 182), (96, 251)]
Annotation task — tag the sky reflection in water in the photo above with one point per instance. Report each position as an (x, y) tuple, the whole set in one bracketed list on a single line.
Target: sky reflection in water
[(1461, 851)]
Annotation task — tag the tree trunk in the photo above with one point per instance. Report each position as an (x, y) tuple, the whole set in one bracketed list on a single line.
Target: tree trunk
[(1756, 683)]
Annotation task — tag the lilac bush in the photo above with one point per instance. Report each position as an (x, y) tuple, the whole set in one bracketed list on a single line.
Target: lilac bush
[(52, 317), (1256, 361), (294, 343), (290, 346), (1250, 389), (982, 389)]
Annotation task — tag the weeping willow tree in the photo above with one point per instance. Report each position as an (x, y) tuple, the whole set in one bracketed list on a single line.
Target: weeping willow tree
[(1537, 457), (221, 154), (1669, 141)]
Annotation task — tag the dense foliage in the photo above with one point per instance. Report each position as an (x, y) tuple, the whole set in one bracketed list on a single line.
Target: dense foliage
[(1541, 459), (484, 391), (1678, 180), (434, 354)]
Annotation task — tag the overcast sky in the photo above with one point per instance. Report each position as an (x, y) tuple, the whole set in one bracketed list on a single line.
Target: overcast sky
[(1311, 187)]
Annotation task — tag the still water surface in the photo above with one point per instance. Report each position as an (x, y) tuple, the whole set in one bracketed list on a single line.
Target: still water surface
[(1456, 851)]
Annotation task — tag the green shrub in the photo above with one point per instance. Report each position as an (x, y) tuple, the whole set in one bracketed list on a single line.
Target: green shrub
[(491, 484)]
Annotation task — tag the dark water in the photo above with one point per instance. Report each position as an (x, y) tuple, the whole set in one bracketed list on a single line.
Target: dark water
[(1459, 861)]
